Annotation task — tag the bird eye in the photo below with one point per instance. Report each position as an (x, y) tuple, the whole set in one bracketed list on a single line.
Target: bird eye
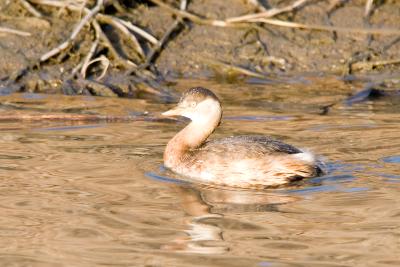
[(192, 104)]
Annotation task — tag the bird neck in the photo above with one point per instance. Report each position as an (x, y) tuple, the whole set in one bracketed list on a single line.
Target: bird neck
[(191, 137)]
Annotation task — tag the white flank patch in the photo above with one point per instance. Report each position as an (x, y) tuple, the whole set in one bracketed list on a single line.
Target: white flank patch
[(305, 156)]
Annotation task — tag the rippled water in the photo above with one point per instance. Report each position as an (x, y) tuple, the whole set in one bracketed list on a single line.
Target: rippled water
[(96, 194)]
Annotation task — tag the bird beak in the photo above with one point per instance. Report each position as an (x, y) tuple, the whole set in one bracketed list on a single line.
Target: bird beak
[(173, 112)]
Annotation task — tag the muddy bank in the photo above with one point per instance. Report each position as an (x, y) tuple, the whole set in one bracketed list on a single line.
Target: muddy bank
[(207, 38)]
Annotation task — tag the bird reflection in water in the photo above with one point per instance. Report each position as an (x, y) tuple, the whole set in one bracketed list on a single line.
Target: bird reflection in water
[(205, 208)]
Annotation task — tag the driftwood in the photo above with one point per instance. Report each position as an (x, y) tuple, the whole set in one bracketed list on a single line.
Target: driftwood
[(80, 117)]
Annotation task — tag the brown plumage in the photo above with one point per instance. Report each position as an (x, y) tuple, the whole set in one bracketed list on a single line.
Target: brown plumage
[(239, 161)]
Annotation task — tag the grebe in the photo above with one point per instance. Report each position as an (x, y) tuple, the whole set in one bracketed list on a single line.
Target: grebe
[(250, 161)]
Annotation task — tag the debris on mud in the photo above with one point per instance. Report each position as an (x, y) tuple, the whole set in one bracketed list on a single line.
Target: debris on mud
[(131, 48)]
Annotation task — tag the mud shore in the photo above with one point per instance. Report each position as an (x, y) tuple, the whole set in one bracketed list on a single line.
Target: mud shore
[(194, 47)]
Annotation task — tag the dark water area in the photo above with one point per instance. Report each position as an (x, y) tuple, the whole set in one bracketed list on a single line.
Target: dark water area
[(96, 193)]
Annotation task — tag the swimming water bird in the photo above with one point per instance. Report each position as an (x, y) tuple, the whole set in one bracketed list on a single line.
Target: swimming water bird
[(248, 161)]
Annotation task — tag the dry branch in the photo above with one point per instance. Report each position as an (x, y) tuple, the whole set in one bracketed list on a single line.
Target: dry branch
[(190, 16), (237, 69), (368, 8), (75, 7), (91, 53), (105, 62), (373, 64), (89, 56), (276, 22), (367, 15), (74, 33), (288, 24), (121, 61), (13, 31), (257, 4), (269, 13), (30, 8), (124, 26), (120, 26), (72, 6), (61, 4), (138, 30), (175, 25)]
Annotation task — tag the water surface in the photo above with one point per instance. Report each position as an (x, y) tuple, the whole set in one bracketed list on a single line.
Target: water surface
[(96, 194)]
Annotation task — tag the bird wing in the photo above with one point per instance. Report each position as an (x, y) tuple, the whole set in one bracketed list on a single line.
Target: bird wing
[(248, 146)]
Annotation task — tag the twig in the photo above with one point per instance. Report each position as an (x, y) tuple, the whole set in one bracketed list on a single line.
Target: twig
[(75, 70), (62, 4), (238, 69), (92, 51), (74, 33), (86, 61), (183, 5), (274, 60), (139, 31), (368, 7), (120, 24), (117, 5), (124, 62), (12, 31), (289, 24), (190, 16), (105, 62), (333, 6), (389, 45), (367, 15), (75, 7), (30, 8), (156, 50), (258, 5), (147, 78), (282, 23), (269, 13), (99, 34), (373, 64), (354, 58), (124, 30)]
